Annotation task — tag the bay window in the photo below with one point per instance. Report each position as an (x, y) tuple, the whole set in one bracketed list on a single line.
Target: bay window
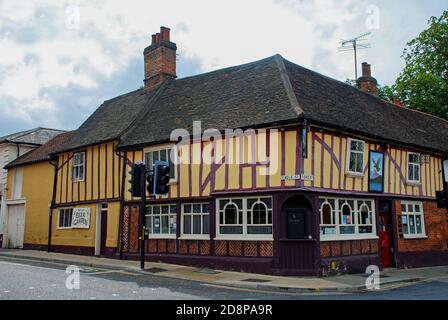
[(244, 218), (346, 219)]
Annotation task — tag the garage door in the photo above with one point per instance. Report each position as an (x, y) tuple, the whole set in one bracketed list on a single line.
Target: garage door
[(16, 226)]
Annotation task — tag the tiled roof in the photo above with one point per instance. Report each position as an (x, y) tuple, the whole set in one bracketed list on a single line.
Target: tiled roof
[(41, 153), (271, 91), (36, 136)]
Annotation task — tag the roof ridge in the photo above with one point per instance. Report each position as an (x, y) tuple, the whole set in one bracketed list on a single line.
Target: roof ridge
[(287, 84), (228, 68), (355, 89)]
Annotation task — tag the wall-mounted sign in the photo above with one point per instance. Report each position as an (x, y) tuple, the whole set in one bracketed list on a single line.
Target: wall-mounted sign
[(302, 176), (376, 171), (81, 218)]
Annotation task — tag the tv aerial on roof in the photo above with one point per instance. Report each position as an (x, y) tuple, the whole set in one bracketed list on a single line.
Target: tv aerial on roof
[(355, 44)]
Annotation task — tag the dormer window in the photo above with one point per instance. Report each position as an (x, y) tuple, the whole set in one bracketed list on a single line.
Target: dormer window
[(413, 168), (355, 157)]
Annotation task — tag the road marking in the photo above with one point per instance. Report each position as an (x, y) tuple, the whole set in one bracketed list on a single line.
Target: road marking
[(92, 298), (100, 272), (115, 295), (31, 288), (6, 291)]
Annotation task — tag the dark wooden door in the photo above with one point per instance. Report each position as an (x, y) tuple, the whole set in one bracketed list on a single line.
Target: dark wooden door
[(103, 233), (296, 251), (385, 234)]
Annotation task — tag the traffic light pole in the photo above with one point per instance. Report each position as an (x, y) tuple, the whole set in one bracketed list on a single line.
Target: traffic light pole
[(142, 219)]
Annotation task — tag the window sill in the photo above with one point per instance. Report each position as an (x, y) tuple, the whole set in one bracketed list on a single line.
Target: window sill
[(194, 237), (67, 228), (161, 236), (243, 238), (414, 237), (413, 183), (348, 238), (298, 240), (354, 174)]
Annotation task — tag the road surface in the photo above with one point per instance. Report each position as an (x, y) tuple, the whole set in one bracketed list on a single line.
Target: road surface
[(33, 280)]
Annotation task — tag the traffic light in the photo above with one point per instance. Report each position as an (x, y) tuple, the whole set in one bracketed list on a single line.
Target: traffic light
[(150, 183), (136, 174), (161, 177), (442, 199)]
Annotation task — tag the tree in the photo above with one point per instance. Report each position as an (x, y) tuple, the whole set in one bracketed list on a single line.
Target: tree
[(423, 83), (387, 93)]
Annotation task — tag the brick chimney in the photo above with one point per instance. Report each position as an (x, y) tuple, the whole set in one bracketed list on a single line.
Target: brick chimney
[(160, 59), (366, 82)]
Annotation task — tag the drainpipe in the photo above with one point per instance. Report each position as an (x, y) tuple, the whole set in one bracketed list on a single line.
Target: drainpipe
[(53, 200), (18, 149)]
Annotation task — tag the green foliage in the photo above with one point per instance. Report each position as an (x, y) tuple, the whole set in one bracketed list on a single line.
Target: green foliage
[(387, 92), (423, 84)]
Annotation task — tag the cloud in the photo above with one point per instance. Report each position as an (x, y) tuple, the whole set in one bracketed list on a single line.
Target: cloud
[(60, 59)]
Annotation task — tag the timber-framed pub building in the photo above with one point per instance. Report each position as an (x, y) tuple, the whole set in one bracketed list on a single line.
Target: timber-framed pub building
[(322, 177)]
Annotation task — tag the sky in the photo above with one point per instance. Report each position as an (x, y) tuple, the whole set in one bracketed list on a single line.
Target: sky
[(59, 60)]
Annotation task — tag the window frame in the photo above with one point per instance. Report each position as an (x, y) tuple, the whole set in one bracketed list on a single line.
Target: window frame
[(244, 236), (164, 147), (160, 215), (59, 218), (421, 213), (415, 165), (82, 165), (348, 171), (191, 236), (358, 204)]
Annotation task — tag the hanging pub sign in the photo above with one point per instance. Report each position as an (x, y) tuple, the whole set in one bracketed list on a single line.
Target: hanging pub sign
[(376, 171), (81, 218)]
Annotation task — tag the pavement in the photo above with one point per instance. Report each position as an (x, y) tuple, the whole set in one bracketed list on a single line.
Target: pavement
[(353, 283)]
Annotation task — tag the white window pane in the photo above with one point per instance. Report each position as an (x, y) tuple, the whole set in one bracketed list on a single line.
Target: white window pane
[(206, 224), (197, 228)]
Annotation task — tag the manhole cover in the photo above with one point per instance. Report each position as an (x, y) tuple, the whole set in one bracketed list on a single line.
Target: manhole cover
[(208, 271), (256, 280), (155, 270)]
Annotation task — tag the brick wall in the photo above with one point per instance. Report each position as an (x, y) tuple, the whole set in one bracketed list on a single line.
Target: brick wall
[(436, 226), (335, 249)]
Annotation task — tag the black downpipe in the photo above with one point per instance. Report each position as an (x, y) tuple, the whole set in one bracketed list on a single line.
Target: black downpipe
[(53, 201)]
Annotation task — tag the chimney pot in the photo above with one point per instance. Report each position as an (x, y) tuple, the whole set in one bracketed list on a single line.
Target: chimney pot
[(366, 82), (153, 39), (165, 33), (157, 38), (366, 70)]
